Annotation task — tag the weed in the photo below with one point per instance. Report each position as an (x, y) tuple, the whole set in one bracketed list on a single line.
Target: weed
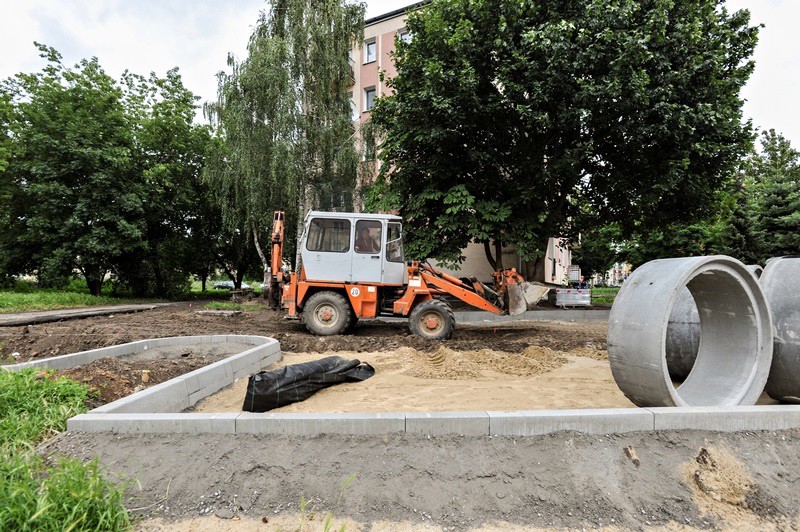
[(327, 524)]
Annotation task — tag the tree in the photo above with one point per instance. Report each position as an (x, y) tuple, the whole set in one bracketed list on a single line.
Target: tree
[(598, 249), (738, 232), (777, 169), (518, 121), (75, 201), (6, 110), (180, 224), (283, 118)]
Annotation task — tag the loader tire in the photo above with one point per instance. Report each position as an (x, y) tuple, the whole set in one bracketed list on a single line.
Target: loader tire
[(432, 319), (327, 313)]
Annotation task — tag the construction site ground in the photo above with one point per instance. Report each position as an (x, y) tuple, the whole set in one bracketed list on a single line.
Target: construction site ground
[(404, 482)]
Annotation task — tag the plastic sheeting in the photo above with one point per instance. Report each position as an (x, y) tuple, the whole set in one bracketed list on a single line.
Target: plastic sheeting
[(267, 390)]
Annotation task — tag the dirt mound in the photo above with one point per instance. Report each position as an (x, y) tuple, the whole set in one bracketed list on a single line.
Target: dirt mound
[(113, 378), (441, 364), (589, 352), (446, 363)]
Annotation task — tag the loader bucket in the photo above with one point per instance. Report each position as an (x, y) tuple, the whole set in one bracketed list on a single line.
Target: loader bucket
[(524, 296)]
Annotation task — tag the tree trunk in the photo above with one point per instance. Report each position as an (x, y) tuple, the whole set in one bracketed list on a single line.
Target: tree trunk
[(264, 261), (487, 249), (203, 281), (95, 284), (301, 218), (498, 254)]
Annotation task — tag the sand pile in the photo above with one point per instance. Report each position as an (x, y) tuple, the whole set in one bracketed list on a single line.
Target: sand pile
[(441, 364), (448, 364), (589, 352)]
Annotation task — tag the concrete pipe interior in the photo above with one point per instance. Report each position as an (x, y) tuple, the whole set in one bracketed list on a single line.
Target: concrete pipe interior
[(730, 340), (683, 332)]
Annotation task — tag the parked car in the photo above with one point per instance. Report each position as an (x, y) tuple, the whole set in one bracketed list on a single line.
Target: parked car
[(227, 285)]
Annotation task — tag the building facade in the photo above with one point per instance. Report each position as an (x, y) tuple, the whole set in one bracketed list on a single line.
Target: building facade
[(368, 62)]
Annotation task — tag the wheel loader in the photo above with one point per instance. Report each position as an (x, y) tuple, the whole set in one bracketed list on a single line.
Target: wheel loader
[(353, 267)]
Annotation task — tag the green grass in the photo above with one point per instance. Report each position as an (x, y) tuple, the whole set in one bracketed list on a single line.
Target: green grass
[(67, 495), (34, 406), (604, 295), (26, 296)]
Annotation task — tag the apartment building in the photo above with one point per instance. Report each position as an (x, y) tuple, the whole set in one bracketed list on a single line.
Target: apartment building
[(374, 57)]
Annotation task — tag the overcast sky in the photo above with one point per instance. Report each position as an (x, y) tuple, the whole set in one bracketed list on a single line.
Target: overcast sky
[(196, 35)]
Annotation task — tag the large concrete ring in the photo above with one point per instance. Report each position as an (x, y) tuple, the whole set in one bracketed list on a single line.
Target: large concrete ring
[(735, 350), (780, 282), (683, 332)]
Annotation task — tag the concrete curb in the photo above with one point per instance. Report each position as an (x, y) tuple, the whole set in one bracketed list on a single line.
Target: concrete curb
[(180, 393), (520, 423), (17, 319), (85, 357)]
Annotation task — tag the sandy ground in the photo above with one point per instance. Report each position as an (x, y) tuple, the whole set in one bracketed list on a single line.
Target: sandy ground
[(671, 480), (407, 380)]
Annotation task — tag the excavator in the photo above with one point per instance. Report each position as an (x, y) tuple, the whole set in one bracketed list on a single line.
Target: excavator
[(353, 267)]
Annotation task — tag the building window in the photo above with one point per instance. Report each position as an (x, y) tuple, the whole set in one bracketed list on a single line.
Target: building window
[(369, 99), (353, 107), (370, 51), (404, 35)]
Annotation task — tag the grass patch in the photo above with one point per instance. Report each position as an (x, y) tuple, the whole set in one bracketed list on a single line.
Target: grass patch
[(34, 406), (604, 295), (26, 296), (68, 495)]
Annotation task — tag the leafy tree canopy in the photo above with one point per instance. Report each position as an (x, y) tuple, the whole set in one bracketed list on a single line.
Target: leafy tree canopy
[(104, 178), (517, 121)]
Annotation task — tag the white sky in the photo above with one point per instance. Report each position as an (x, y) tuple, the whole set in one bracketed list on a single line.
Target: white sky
[(196, 35)]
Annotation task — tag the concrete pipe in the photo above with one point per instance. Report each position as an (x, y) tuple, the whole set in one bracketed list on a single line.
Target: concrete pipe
[(735, 347), (683, 332), (780, 282)]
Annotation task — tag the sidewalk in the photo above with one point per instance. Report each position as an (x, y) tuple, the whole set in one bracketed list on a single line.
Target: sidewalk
[(44, 316)]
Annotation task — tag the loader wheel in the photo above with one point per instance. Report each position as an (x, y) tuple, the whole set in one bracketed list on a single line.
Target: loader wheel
[(327, 313), (353, 322), (432, 319)]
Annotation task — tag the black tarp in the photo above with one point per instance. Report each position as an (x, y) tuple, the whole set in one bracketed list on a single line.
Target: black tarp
[(290, 384)]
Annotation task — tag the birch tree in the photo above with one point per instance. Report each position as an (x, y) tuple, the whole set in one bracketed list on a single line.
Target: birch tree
[(283, 116)]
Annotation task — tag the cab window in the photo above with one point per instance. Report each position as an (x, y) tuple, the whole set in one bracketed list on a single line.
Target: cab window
[(368, 236), (330, 235), (394, 242)]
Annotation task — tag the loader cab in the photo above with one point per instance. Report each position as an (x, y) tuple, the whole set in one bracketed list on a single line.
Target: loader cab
[(353, 248)]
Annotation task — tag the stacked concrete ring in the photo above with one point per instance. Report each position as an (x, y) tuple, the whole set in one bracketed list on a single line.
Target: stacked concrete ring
[(735, 351), (780, 282)]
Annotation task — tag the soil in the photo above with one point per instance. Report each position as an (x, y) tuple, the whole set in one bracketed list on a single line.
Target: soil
[(35, 342), (447, 380), (409, 482), (114, 378)]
